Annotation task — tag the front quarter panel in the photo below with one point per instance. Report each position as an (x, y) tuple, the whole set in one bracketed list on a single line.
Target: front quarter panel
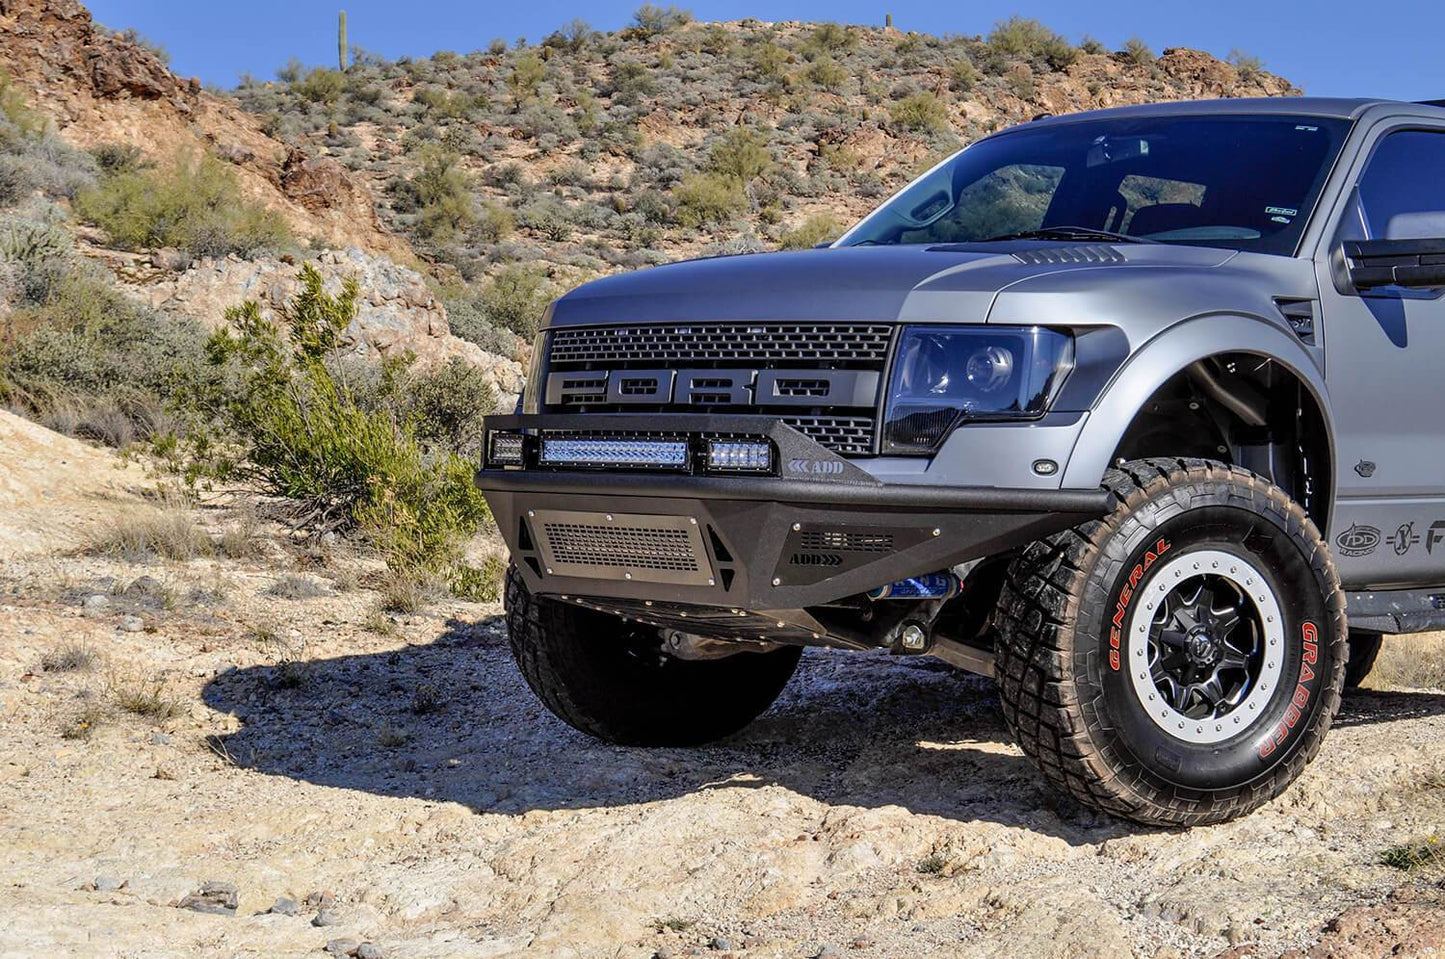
[(1168, 353)]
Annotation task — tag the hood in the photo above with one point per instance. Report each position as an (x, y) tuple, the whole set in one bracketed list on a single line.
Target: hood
[(950, 283)]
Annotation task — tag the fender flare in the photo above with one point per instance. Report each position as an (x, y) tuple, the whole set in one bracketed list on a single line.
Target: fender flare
[(1166, 355)]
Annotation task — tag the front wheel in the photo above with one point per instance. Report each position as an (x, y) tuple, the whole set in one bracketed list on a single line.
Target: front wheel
[(612, 680), (1179, 661)]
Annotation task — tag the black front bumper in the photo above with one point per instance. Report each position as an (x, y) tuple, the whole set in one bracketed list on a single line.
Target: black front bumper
[(753, 543)]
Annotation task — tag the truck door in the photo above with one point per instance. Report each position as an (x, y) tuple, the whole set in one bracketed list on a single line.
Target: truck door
[(1384, 356)]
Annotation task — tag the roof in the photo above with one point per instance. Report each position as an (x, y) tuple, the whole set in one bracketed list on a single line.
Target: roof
[(1344, 109)]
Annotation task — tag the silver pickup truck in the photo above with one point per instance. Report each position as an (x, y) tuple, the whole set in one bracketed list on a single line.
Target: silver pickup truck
[(1138, 411)]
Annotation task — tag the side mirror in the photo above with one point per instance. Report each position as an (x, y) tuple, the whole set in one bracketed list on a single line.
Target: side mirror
[(1413, 264)]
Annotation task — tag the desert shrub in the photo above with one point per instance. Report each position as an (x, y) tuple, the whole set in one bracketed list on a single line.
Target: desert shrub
[(1137, 52), (515, 299), (443, 195), (707, 198), (548, 216), (446, 404), (525, 77), (114, 158), (768, 60), (1248, 66), (919, 113), (450, 104), (195, 204), (813, 231), (298, 432), (827, 74), (321, 85), (630, 82), (1093, 45), (80, 357), (963, 76), (741, 153), (651, 20), (829, 39), (468, 320), (1026, 39)]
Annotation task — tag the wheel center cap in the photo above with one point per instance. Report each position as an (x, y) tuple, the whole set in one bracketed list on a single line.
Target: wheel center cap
[(1202, 648)]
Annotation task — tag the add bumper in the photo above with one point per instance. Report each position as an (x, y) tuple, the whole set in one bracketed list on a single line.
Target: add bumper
[(754, 543)]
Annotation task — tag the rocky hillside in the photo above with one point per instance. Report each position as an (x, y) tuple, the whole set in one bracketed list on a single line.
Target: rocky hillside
[(593, 152), (101, 87)]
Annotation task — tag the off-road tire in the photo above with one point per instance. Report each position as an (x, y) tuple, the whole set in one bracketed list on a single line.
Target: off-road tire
[(612, 680), (1077, 712), (1364, 648)]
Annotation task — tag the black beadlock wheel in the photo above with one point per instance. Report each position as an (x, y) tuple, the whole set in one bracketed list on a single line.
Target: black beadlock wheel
[(611, 679), (1179, 661)]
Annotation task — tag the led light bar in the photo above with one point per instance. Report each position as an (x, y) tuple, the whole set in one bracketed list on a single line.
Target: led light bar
[(741, 455), (506, 449), (672, 454)]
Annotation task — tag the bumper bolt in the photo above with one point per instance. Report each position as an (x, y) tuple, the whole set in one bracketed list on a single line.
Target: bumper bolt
[(797, 526), (777, 581), (937, 531), (913, 637)]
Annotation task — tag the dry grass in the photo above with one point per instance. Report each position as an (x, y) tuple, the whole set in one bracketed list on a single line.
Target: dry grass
[(1410, 662), (139, 696), (76, 656), (83, 721), (242, 539), (168, 533), (1416, 855), (406, 593), (292, 586)]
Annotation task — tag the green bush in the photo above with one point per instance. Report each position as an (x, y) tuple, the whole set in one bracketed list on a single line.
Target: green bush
[(446, 405), (707, 198), (651, 20), (516, 298), (195, 205), (827, 74), (443, 195), (741, 153), (300, 433), (78, 356), (814, 230), (321, 85), (1026, 39), (920, 113), (1137, 52), (828, 39)]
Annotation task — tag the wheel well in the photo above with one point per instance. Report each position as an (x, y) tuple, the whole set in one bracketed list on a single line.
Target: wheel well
[(1247, 410)]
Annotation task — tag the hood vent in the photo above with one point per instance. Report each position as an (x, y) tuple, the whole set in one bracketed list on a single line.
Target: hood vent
[(1065, 255)]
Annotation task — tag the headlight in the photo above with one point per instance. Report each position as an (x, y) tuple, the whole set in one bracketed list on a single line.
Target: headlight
[(944, 374), (532, 389)]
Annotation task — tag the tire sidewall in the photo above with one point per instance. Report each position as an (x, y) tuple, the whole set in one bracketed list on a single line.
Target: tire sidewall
[(1180, 520)]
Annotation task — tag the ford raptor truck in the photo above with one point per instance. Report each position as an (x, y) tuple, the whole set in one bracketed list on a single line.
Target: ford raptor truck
[(1138, 411)]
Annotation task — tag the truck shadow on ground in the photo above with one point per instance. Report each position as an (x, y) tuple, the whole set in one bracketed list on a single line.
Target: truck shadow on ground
[(453, 721)]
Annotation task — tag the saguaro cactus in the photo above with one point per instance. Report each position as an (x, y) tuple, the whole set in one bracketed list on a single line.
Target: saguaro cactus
[(343, 54), (888, 20)]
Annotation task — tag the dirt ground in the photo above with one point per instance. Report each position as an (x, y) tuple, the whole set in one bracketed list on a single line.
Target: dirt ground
[(255, 722)]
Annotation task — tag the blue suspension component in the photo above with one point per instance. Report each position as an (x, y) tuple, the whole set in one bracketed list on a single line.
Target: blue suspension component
[(929, 586)]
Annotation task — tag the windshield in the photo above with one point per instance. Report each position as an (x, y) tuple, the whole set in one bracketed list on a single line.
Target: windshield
[(1243, 183)]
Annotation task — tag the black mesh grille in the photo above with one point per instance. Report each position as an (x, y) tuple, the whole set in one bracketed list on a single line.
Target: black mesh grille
[(821, 343), (842, 541), (633, 547), (850, 435)]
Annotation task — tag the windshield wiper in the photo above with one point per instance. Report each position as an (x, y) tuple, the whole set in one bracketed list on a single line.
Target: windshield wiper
[(1068, 233)]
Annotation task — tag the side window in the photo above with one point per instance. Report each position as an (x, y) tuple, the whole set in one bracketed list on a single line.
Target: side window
[(1011, 199), (1402, 191)]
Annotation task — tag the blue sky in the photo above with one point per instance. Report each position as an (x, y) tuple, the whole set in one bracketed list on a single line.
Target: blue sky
[(1330, 47)]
